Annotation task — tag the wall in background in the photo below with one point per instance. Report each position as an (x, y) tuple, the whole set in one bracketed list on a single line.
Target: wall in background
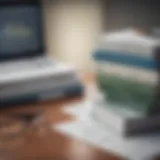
[(143, 14), (72, 29)]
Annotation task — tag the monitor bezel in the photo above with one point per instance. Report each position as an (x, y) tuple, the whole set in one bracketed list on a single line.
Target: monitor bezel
[(29, 54)]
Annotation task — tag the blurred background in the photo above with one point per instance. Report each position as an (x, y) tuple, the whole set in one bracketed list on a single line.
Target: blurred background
[(73, 26), (111, 38), (72, 29)]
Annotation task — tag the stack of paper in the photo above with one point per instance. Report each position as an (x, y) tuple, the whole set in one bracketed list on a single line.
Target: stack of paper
[(92, 132)]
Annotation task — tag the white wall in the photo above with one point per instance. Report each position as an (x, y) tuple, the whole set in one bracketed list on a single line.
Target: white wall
[(72, 28)]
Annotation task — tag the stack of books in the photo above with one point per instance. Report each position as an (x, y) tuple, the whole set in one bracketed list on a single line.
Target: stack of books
[(127, 68)]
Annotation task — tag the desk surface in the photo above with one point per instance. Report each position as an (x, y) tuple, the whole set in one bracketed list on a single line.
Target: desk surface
[(46, 144)]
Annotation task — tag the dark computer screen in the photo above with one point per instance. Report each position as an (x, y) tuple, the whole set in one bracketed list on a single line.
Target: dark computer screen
[(20, 30)]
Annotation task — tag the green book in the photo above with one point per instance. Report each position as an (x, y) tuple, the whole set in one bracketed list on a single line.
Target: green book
[(129, 87), (125, 92)]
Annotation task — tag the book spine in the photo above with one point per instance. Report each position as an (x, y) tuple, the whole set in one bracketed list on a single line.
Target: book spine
[(135, 74), (131, 49), (125, 59)]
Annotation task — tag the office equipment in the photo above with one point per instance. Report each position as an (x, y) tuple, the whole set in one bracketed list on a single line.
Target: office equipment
[(26, 74)]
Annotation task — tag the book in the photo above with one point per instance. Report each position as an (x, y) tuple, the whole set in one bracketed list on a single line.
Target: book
[(128, 41), (126, 76), (129, 87), (125, 122)]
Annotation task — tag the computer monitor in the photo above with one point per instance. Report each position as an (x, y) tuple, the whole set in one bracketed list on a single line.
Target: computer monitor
[(21, 31)]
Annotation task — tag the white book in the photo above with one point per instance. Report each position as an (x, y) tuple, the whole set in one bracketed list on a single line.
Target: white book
[(124, 121), (128, 41)]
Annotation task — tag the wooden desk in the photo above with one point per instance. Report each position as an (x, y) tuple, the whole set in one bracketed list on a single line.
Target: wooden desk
[(48, 144)]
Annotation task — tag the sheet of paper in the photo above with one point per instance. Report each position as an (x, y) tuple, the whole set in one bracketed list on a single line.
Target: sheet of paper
[(88, 130), (80, 110)]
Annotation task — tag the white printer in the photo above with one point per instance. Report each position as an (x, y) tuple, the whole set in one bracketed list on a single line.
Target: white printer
[(26, 74)]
